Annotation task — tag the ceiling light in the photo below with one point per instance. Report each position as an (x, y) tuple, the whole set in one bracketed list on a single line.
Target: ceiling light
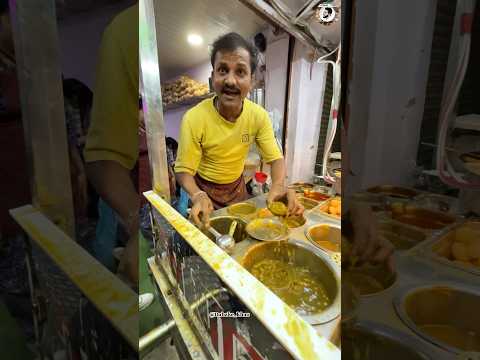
[(195, 40)]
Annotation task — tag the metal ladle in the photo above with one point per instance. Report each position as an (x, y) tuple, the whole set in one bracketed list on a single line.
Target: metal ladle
[(226, 242)]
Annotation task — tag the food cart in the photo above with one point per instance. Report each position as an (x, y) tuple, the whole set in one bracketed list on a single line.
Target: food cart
[(218, 308)]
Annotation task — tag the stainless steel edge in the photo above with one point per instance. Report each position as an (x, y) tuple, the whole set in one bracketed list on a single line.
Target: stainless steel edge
[(152, 97)]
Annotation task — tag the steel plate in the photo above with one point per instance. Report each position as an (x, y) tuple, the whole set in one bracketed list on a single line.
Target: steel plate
[(267, 230)]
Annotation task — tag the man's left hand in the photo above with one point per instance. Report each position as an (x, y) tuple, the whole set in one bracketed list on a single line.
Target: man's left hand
[(277, 193)]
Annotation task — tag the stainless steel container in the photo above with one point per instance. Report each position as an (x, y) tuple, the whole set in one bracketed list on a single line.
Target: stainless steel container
[(444, 314), (397, 192), (306, 255), (421, 218), (439, 247), (325, 233), (295, 221), (321, 211), (222, 225), (370, 280), (373, 341), (307, 203), (402, 237)]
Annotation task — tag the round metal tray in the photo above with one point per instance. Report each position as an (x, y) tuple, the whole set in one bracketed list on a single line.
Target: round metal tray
[(268, 229), (371, 341), (245, 210), (308, 256), (333, 237), (439, 304)]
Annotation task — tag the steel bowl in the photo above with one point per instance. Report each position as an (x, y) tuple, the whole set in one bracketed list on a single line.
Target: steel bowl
[(316, 195), (376, 201), (437, 202), (268, 229), (394, 191), (301, 253), (373, 341), (222, 225), (370, 280), (300, 187), (323, 234), (307, 203), (402, 237), (244, 210), (444, 314), (295, 221), (421, 218)]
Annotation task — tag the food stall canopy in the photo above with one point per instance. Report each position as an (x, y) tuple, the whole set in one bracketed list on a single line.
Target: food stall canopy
[(207, 19), (313, 22)]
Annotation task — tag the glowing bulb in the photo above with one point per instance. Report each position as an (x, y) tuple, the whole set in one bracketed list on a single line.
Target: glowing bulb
[(195, 40)]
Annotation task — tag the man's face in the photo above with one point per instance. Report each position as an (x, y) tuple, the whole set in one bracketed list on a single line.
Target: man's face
[(232, 77)]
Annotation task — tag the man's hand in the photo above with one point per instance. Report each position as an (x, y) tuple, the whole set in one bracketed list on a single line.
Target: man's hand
[(294, 206), (201, 209), (367, 242), (79, 182), (80, 194), (276, 193), (172, 182)]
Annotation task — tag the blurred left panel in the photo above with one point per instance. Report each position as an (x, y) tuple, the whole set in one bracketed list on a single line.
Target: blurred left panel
[(69, 203)]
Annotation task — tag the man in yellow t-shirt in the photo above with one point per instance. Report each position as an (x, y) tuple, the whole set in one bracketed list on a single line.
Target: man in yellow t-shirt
[(111, 149), (215, 136)]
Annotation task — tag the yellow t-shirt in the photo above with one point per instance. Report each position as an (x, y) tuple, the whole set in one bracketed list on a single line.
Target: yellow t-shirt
[(216, 149), (113, 133)]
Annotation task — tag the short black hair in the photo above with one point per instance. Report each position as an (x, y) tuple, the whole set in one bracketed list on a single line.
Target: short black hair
[(80, 93), (231, 42), (3, 7), (171, 143)]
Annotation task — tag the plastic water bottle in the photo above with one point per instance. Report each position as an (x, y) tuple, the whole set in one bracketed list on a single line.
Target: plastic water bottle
[(258, 183)]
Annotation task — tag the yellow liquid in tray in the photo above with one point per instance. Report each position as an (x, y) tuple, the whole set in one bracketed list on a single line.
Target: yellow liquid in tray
[(328, 245), (295, 285), (270, 232), (461, 339), (365, 284)]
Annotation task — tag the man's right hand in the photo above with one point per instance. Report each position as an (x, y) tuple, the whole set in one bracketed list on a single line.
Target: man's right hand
[(201, 210), (368, 244)]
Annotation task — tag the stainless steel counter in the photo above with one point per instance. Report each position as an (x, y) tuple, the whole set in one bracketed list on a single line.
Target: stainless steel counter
[(379, 313), (415, 269), (329, 330)]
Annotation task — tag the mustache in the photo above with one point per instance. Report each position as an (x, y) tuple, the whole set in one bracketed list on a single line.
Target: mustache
[(230, 89)]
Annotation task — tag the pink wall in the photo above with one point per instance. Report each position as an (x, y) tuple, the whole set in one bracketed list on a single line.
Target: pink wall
[(80, 36), (173, 118), (200, 73)]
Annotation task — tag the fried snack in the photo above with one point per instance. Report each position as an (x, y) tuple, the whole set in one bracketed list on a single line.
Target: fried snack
[(462, 246), (183, 88), (278, 208), (264, 213), (332, 207)]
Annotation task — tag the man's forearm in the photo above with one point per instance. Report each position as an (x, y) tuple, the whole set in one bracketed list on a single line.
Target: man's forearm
[(187, 181), (113, 183), (278, 173)]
